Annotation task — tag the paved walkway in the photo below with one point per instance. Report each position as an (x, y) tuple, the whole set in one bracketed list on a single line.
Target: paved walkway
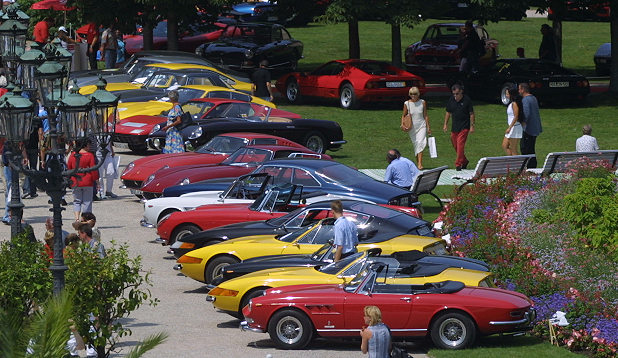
[(445, 178)]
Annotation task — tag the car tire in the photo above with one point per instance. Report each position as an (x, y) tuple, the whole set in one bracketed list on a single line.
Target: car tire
[(347, 97), (256, 292), (315, 141), (453, 330), (505, 87), (214, 266), (165, 213), (292, 91), (290, 329), (139, 149), (182, 231)]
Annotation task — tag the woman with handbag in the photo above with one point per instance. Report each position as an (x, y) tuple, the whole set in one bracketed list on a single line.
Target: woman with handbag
[(173, 138), (415, 121)]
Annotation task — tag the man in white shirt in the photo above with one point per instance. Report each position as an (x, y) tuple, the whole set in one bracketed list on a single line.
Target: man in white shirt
[(586, 143)]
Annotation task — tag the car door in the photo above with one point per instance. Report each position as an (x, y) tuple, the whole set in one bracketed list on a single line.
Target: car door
[(326, 81)]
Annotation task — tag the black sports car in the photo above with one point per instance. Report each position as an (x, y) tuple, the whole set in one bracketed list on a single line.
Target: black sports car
[(548, 81), (373, 221), (420, 263), (603, 59), (242, 46), (316, 134)]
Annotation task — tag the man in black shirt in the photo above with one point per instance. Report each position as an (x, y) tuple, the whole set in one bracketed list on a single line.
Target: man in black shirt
[(460, 108), (32, 151), (547, 50), (261, 82)]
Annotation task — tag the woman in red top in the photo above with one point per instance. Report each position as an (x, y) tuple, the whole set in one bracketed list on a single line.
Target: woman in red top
[(82, 183)]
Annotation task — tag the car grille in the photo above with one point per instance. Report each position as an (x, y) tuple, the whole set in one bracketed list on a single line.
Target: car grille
[(132, 184), (127, 138), (435, 60)]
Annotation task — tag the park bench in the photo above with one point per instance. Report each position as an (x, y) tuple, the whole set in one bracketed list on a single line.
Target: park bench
[(493, 167), (557, 162), (426, 181)]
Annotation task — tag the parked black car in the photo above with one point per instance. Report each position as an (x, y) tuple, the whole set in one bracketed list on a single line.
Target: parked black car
[(603, 59), (419, 262), (138, 60), (316, 134), (548, 81), (242, 46), (374, 219)]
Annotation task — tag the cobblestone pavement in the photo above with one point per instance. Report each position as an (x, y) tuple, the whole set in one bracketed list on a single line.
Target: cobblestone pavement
[(195, 328)]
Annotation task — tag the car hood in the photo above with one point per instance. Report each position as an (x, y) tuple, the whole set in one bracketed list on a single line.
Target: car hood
[(330, 290), (138, 125), (111, 87), (150, 108), (140, 94), (498, 297)]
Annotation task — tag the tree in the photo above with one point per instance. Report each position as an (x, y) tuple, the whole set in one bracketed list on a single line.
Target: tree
[(348, 11)]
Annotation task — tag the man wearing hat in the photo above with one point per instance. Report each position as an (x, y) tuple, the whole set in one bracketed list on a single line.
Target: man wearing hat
[(65, 40), (547, 50)]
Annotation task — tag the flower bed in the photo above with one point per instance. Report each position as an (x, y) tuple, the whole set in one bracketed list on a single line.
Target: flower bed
[(555, 240)]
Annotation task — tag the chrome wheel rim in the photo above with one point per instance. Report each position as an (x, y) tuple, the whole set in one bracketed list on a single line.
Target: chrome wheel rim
[(289, 330), (452, 332), (315, 143), (346, 97), (503, 98), (292, 91)]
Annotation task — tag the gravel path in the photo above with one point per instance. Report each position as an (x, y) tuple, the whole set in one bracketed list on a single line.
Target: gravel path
[(195, 328)]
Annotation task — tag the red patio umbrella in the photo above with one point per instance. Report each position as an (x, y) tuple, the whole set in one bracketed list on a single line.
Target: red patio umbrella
[(57, 5)]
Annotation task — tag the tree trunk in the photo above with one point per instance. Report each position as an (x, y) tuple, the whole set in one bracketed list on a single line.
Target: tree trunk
[(353, 38), (172, 31), (613, 29), (557, 27), (147, 35), (396, 45)]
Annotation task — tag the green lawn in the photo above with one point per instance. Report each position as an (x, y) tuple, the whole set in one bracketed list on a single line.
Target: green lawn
[(511, 347), (371, 131)]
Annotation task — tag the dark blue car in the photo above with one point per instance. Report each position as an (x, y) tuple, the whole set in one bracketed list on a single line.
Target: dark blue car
[(316, 175)]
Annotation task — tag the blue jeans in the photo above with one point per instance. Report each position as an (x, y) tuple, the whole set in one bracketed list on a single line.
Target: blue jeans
[(110, 58), (7, 198), (82, 199)]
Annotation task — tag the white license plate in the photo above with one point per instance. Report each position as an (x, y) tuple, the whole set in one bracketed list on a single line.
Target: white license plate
[(434, 67), (121, 145), (395, 84), (558, 84), (136, 192)]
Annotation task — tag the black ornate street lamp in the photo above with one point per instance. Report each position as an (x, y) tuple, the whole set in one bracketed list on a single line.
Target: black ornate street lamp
[(12, 43), (28, 62)]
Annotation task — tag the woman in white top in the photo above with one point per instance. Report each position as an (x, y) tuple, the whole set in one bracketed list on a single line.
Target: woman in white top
[(417, 109), (514, 119)]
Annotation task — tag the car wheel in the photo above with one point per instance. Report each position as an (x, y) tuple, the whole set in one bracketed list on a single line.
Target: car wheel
[(347, 98), (182, 231), (505, 87), (256, 292), (138, 148), (292, 91), (214, 267), (290, 329), (453, 330), (165, 213), (315, 141)]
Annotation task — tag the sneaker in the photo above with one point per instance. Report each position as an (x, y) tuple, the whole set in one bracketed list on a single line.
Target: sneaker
[(64, 202), (96, 198), (26, 195), (32, 196), (6, 222), (111, 195)]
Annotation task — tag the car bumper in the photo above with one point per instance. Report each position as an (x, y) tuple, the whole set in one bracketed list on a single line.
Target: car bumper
[(244, 326), (382, 94), (336, 144), (130, 138), (145, 223), (132, 184)]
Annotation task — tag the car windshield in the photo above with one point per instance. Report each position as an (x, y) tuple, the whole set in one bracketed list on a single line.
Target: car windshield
[(248, 187), (375, 68), (442, 33), (222, 144), (256, 34), (143, 74), (289, 237), (341, 174), (280, 221), (232, 110), (336, 267), (325, 249), (248, 155), (197, 109), (272, 200), (187, 94)]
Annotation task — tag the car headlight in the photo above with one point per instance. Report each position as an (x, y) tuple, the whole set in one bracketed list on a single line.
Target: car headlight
[(249, 53), (149, 180), (185, 181), (129, 167), (156, 128), (164, 167), (197, 132)]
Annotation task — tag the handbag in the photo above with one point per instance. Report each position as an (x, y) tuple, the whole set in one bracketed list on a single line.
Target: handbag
[(186, 120), (433, 151), (406, 122), (398, 352)]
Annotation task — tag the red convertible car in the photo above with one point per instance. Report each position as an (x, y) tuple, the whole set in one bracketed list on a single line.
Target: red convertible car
[(241, 162), (352, 82), (213, 152), (188, 40), (135, 130), (448, 312)]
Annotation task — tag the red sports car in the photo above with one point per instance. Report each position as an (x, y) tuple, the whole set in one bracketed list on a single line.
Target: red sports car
[(241, 162), (134, 130), (451, 314), (271, 204), (188, 40), (352, 82), (213, 152)]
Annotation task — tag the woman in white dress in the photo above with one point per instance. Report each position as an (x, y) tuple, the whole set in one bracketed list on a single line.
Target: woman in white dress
[(417, 109), (514, 119)]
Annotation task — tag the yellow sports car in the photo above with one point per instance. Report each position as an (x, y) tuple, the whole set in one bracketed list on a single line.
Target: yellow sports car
[(155, 79), (185, 93), (232, 295), (204, 264)]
